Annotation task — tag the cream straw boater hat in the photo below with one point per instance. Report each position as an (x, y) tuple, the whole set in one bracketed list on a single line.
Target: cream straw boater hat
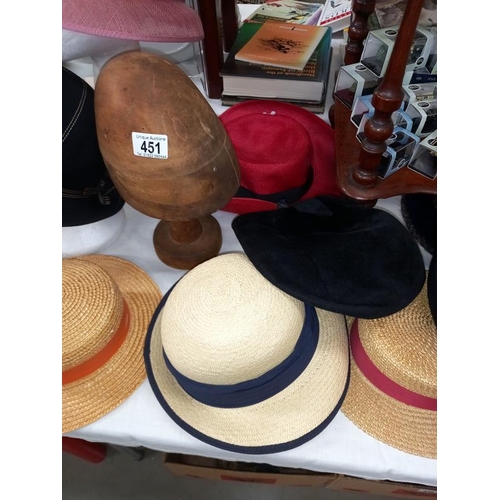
[(240, 364), (107, 303), (393, 389)]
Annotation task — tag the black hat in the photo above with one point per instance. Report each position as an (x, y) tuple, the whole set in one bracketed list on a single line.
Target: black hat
[(336, 255), (432, 287), (88, 194), (419, 212)]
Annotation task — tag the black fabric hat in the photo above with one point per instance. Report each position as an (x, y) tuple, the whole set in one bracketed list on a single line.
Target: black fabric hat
[(419, 212), (432, 287), (336, 255), (88, 194)]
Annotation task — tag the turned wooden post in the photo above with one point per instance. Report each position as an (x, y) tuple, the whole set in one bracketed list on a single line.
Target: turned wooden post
[(185, 244), (386, 99), (358, 30), (229, 14), (212, 55), (219, 36)]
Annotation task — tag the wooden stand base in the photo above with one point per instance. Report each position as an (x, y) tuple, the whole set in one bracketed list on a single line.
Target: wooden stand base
[(185, 244)]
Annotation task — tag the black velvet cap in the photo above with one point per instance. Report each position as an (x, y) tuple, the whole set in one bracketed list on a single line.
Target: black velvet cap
[(336, 255), (88, 194), (419, 212)]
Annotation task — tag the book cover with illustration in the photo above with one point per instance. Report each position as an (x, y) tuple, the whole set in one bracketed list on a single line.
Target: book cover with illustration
[(336, 14), (241, 78), (282, 45), (288, 11)]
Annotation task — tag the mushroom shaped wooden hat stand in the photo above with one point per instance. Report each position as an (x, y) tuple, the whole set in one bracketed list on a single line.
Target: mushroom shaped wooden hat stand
[(167, 152)]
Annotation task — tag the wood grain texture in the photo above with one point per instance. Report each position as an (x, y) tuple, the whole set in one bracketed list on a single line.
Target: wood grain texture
[(358, 30), (357, 164), (348, 151), (140, 92)]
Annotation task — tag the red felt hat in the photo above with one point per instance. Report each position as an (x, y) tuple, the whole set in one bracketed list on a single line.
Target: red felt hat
[(286, 154), (148, 20)]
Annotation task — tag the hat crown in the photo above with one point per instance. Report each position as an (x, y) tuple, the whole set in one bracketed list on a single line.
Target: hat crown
[(82, 165), (403, 346), (92, 308), (224, 323), (274, 151), (88, 193), (286, 154)]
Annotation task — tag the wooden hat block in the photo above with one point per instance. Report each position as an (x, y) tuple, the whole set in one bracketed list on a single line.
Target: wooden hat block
[(167, 152)]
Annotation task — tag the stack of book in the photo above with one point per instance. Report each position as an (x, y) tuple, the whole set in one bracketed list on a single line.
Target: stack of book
[(281, 61), (334, 13), (288, 11)]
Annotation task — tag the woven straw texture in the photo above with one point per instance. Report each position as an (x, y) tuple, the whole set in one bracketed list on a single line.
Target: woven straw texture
[(94, 290), (147, 20), (404, 347), (227, 323)]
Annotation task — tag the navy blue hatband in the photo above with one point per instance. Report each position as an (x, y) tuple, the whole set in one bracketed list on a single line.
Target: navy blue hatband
[(263, 387), (254, 450)]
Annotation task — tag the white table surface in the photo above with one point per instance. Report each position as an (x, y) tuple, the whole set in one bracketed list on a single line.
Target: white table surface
[(141, 421)]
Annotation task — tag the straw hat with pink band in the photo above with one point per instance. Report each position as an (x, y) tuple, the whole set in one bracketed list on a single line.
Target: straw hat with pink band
[(107, 303), (393, 389)]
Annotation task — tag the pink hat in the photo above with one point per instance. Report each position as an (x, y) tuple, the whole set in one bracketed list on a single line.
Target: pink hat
[(286, 154), (144, 20)]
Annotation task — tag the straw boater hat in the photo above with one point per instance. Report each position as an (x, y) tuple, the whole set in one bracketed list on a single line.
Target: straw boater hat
[(242, 365), (107, 303), (393, 389)]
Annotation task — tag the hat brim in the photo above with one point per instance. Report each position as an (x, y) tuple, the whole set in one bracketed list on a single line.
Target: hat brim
[(323, 151), (345, 258), (398, 425), (248, 205), (147, 21), (419, 211), (82, 211), (404, 427), (90, 398), (432, 287), (291, 417), (92, 238)]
